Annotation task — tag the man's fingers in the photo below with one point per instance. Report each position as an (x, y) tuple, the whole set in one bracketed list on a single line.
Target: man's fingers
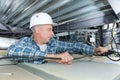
[(101, 50), (66, 58)]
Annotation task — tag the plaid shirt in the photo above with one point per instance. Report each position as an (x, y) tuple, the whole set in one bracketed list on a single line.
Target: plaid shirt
[(27, 47)]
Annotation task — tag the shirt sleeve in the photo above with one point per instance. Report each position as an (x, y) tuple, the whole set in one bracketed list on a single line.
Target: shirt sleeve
[(24, 48), (77, 47)]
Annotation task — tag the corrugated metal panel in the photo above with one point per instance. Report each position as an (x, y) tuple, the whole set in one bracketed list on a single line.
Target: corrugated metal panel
[(15, 14)]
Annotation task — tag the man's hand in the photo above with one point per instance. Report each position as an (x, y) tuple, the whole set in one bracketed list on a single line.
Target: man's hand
[(66, 58), (100, 50)]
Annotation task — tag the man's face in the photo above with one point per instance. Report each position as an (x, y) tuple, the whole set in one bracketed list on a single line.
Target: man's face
[(46, 33)]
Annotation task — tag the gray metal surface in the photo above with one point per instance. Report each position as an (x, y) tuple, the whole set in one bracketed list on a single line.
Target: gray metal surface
[(95, 68), (15, 14), (12, 72), (115, 4)]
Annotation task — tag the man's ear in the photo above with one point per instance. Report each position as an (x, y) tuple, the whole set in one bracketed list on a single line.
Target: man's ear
[(37, 30)]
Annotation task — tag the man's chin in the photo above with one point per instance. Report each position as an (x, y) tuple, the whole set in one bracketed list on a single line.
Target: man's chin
[(47, 40)]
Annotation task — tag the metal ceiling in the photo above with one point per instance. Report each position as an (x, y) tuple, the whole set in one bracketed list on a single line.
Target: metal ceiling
[(15, 14)]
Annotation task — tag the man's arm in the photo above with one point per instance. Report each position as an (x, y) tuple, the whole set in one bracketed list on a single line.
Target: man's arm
[(24, 47), (73, 47)]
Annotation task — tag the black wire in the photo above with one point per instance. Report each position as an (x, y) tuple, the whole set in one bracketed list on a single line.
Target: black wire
[(30, 59), (20, 59), (34, 58), (113, 52)]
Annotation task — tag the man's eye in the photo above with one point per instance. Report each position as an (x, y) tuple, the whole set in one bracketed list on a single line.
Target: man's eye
[(49, 29)]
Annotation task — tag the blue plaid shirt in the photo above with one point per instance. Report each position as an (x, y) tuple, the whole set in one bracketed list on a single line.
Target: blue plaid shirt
[(27, 47)]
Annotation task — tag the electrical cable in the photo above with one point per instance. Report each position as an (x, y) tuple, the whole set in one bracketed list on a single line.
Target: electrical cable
[(38, 57), (112, 52), (35, 58), (115, 53), (30, 59)]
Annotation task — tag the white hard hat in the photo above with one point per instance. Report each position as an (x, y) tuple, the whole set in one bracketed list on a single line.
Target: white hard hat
[(40, 18)]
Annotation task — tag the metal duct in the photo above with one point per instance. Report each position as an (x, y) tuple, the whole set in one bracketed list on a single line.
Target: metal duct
[(6, 42)]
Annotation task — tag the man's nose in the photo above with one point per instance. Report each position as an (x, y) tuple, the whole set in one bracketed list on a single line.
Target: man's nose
[(52, 33)]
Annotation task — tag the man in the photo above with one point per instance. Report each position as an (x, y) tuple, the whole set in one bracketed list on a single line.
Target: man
[(43, 44)]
